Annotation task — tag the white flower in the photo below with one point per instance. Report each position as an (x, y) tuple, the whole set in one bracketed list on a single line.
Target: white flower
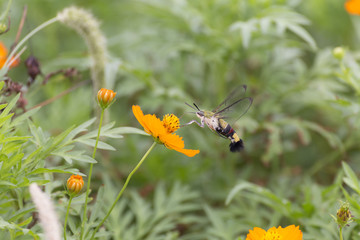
[(47, 214)]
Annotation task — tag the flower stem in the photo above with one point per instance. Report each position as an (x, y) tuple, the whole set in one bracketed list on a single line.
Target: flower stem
[(123, 188), (340, 232), (89, 177), (67, 215)]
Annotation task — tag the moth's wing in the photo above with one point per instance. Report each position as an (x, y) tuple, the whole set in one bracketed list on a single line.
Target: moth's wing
[(235, 110), (237, 93)]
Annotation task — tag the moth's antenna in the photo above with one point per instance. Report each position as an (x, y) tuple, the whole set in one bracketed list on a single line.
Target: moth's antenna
[(190, 106), (196, 107)]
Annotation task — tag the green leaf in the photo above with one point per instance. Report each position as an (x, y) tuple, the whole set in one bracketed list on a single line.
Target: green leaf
[(332, 139), (352, 200), (11, 162), (301, 32), (2, 106), (6, 183), (74, 155), (130, 130), (246, 29), (26, 221), (39, 137), (81, 128), (32, 160), (267, 197), (21, 118), (342, 102), (20, 213), (4, 119), (106, 131), (5, 224), (92, 142), (9, 107), (54, 170), (351, 180), (62, 139), (12, 139), (2, 83)]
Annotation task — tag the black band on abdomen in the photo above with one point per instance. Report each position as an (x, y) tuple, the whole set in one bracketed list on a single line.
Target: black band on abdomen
[(228, 131)]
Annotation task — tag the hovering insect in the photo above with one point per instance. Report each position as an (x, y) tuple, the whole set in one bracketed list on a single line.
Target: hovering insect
[(231, 109)]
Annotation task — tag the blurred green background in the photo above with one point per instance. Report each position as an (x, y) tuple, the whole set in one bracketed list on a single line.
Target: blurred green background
[(304, 119)]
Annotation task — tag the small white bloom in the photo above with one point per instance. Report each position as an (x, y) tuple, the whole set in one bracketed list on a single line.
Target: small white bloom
[(47, 214)]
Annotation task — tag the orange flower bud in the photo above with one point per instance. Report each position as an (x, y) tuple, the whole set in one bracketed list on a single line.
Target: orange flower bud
[(105, 97), (74, 184)]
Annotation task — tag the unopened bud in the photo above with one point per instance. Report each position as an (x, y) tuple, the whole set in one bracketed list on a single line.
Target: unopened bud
[(338, 53), (343, 215), (105, 97), (33, 67), (74, 184), (3, 28)]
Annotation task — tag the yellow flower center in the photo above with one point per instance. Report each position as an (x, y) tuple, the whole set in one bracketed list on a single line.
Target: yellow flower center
[(171, 122), (272, 235)]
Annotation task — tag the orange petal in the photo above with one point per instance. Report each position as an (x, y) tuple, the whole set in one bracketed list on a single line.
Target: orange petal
[(3, 57), (138, 114), (291, 232), (147, 122), (155, 125), (353, 6), (3, 54), (3, 50), (2, 62), (256, 234), (173, 141), (187, 152), (14, 62), (140, 117), (151, 124)]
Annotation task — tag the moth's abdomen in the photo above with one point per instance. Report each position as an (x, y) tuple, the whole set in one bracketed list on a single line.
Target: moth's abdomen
[(226, 130), (236, 146)]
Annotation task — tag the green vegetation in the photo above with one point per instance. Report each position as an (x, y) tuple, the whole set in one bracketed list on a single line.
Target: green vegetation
[(301, 162)]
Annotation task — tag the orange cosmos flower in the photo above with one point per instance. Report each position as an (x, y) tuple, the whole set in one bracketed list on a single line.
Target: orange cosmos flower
[(353, 7), (162, 131), (105, 97), (3, 57), (74, 184), (289, 233)]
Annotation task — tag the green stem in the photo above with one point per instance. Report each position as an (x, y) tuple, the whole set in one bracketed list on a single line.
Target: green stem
[(123, 188), (4, 15), (67, 215), (89, 177), (29, 35), (341, 235), (12, 234)]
